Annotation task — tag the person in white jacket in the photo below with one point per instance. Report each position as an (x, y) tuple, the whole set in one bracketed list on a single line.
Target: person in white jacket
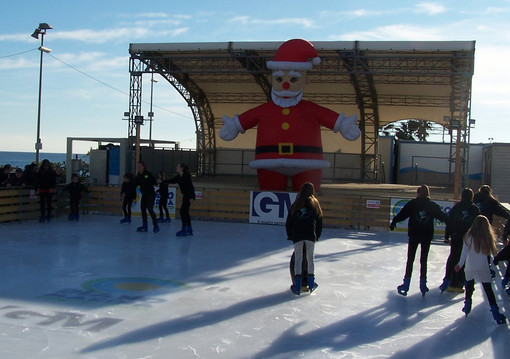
[(479, 242)]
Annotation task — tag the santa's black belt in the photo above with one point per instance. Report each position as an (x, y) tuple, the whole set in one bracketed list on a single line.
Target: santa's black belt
[(288, 149)]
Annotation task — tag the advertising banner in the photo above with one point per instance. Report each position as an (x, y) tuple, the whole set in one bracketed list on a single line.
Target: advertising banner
[(396, 205), (270, 207), (135, 209)]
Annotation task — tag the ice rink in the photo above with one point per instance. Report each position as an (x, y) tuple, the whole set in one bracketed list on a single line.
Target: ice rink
[(98, 289)]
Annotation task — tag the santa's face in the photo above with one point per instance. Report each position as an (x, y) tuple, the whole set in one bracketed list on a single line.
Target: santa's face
[(288, 84)]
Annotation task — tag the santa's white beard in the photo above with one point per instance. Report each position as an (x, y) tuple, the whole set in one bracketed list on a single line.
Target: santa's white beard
[(286, 98)]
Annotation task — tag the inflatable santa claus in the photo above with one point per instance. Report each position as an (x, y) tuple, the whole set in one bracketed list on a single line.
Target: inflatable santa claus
[(289, 139)]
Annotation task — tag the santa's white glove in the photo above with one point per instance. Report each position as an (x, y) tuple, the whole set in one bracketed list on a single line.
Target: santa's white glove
[(231, 128), (347, 127)]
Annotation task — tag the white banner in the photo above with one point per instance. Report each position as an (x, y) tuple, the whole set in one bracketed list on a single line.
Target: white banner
[(270, 207), (396, 205), (135, 209)]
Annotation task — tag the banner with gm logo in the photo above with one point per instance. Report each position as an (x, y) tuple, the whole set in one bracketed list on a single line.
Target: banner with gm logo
[(270, 207)]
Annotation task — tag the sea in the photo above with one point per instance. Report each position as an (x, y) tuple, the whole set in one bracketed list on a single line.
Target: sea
[(21, 159)]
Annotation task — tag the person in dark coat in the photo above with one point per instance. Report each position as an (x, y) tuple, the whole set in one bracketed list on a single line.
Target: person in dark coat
[(46, 182), (183, 179), (18, 180), (128, 195), (304, 227), (146, 181), (460, 218), (5, 175), (163, 198), (489, 206), (421, 212), (75, 189), (31, 174)]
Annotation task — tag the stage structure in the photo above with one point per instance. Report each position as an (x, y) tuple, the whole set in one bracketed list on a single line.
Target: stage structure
[(381, 81)]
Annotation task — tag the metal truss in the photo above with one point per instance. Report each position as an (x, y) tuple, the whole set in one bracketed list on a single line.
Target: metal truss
[(364, 69), (194, 97), (366, 98)]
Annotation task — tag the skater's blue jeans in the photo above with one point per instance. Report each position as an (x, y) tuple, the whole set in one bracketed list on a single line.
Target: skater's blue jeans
[(298, 250)]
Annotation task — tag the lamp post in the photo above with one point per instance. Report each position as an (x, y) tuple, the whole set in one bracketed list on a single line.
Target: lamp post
[(138, 123), (41, 30), (151, 114)]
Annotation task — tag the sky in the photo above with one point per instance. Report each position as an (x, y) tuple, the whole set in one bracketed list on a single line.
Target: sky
[(85, 88)]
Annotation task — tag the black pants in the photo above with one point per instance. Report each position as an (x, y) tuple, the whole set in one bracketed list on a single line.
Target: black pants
[(75, 206), (184, 212), (126, 206), (147, 204), (163, 199), (45, 202), (457, 279), (487, 287), (411, 254)]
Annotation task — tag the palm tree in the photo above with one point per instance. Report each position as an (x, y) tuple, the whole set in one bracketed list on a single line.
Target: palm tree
[(411, 130)]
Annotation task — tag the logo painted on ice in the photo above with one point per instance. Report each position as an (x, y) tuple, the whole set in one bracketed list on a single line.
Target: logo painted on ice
[(270, 207)]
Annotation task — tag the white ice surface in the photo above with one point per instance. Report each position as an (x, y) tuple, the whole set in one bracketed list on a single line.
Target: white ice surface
[(225, 294)]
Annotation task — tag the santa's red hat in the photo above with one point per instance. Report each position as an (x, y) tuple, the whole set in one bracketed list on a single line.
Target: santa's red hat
[(296, 54)]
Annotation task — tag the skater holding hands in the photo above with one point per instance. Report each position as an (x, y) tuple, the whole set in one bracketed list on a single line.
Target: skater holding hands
[(304, 227), (421, 212), (183, 178), (146, 181), (75, 189), (163, 198), (479, 242)]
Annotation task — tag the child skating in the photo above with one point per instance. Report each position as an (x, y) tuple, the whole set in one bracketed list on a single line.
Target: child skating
[(183, 178), (75, 189), (479, 242), (163, 198), (146, 181), (304, 227), (128, 195)]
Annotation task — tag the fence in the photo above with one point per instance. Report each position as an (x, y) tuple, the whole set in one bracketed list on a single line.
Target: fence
[(341, 209)]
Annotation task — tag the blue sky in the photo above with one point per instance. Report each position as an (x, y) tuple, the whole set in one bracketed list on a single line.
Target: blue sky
[(93, 36)]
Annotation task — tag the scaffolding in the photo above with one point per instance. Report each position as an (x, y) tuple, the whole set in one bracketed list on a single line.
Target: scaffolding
[(376, 77)]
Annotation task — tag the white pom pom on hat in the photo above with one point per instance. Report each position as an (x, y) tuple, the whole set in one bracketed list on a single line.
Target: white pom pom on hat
[(295, 54)]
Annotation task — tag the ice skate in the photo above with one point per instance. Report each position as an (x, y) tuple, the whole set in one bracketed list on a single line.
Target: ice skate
[(156, 228), (161, 219), (311, 283), (168, 219), (142, 228), (444, 286), (296, 287), (125, 220), (404, 288), (189, 231), (423, 286), (182, 233), (498, 317), (467, 306)]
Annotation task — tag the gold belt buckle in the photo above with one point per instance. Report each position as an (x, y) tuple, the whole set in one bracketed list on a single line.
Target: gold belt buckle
[(286, 148)]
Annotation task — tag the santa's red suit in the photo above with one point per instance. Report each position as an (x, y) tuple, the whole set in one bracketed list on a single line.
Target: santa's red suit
[(288, 142)]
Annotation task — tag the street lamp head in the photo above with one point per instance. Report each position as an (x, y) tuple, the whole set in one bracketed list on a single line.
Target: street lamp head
[(44, 26), (44, 49), (36, 33)]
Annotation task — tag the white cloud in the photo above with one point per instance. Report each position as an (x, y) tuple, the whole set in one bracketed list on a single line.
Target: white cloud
[(246, 20), (430, 8), (397, 32), (19, 63)]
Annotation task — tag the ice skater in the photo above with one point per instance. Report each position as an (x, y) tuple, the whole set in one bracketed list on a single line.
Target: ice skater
[(46, 182), (163, 198), (460, 218), (489, 206), (75, 189), (421, 212), (304, 227), (146, 181), (128, 196), (504, 255), (183, 178), (479, 242)]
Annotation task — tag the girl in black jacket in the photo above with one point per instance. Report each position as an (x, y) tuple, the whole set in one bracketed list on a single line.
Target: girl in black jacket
[(304, 227), (145, 180), (183, 178), (163, 198), (421, 212)]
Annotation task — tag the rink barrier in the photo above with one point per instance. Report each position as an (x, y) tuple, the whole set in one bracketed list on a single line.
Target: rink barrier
[(341, 209)]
